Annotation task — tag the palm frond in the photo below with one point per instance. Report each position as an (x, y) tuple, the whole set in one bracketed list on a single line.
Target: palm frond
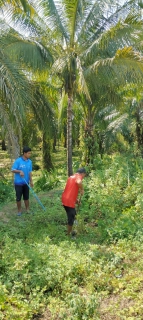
[(82, 85), (14, 84), (71, 10), (111, 16), (21, 20), (125, 66), (30, 53), (43, 112), (18, 4), (116, 124), (112, 115), (51, 12), (61, 63), (122, 34)]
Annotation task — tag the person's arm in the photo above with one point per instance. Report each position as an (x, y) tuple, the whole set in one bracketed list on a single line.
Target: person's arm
[(18, 171), (15, 168), (79, 182)]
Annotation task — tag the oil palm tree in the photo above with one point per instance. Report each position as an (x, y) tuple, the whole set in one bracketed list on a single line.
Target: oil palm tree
[(18, 57), (13, 86), (128, 119), (87, 42), (80, 36)]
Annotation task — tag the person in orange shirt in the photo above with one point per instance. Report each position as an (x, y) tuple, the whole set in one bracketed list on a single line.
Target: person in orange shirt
[(70, 194)]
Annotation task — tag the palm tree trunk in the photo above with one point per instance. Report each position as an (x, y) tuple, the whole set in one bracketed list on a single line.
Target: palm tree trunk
[(3, 145), (90, 141), (139, 130), (69, 135), (54, 143), (47, 161)]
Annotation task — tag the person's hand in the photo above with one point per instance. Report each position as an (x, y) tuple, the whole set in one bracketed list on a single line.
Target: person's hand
[(81, 192), (78, 201), (21, 173)]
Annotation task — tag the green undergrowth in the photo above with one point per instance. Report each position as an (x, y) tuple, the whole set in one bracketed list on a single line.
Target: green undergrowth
[(98, 274)]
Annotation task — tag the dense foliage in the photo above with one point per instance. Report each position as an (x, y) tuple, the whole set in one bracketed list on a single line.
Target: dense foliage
[(98, 274), (6, 190)]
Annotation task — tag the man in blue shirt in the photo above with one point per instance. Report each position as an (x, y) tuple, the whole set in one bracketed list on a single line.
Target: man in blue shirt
[(22, 169)]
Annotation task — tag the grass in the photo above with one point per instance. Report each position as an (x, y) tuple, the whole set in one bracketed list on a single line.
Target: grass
[(41, 263), (97, 275)]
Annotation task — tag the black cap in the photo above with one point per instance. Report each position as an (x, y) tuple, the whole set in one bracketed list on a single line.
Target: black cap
[(81, 170)]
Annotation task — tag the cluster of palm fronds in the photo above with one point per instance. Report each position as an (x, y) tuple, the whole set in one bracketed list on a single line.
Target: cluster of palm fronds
[(89, 51)]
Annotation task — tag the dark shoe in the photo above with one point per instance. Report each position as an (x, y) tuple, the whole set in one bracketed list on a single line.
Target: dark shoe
[(73, 233), (29, 212)]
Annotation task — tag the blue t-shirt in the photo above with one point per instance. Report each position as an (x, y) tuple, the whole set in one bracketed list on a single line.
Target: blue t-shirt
[(23, 165)]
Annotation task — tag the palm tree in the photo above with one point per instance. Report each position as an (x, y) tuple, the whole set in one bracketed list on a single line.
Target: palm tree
[(128, 119), (114, 66), (18, 56), (13, 86), (82, 36), (83, 45), (104, 88), (46, 120)]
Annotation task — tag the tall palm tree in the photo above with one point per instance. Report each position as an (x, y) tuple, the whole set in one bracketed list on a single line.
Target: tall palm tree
[(46, 120), (81, 42), (13, 86), (18, 57), (83, 46)]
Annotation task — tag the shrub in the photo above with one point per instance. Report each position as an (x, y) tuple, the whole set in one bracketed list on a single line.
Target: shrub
[(6, 190), (47, 181)]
